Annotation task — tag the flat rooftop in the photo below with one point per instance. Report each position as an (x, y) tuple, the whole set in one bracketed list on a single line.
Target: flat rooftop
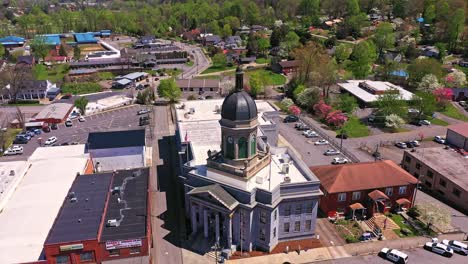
[(55, 111), (447, 162), (129, 206), (203, 131), (352, 86), (116, 139), (30, 212), (11, 174)]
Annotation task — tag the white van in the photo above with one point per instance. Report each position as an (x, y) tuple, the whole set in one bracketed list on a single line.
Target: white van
[(13, 150), (394, 255)]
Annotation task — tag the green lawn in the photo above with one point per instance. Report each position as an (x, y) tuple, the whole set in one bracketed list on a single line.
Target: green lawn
[(211, 77), (399, 220), (262, 60), (22, 103), (438, 122), (189, 63), (81, 88), (355, 128), (453, 112), (217, 69), (10, 135), (106, 75), (53, 74), (268, 77)]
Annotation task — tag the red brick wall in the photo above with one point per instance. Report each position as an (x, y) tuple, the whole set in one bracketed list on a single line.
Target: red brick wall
[(124, 252), (51, 251)]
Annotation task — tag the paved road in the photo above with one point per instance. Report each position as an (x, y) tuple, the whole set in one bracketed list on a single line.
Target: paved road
[(118, 119), (200, 62), (416, 256)]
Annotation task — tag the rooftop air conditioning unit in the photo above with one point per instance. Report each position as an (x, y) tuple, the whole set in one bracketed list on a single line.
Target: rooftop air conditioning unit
[(112, 222), (12, 173), (73, 200), (287, 179), (116, 190), (259, 180), (285, 168)]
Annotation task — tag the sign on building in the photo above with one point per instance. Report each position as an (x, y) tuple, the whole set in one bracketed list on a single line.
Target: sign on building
[(123, 244), (71, 247)]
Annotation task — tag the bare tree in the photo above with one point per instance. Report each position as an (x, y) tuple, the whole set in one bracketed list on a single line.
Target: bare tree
[(20, 116), (14, 79)]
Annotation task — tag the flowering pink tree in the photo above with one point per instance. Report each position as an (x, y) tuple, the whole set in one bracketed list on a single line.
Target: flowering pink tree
[(336, 118), (295, 110), (443, 96), (322, 109)]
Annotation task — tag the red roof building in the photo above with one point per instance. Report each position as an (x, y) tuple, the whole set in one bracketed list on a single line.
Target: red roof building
[(362, 189), (287, 67)]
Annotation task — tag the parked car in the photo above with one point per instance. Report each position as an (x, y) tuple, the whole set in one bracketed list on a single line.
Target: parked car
[(463, 104), (415, 122), (409, 144), (23, 136), (331, 152), (401, 145), (290, 119), (394, 255), (73, 116), (415, 143), (424, 122), (46, 129), (339, 160), (37, 131), (439, 139), (321, 142), (68, 123), (81, 119), (439, 248), (13, 150), (54, 126), (310, 134), (20, 140), (51, 140), (143, 111), (30, 133), (371, 118), (301, 127), (457, 246)]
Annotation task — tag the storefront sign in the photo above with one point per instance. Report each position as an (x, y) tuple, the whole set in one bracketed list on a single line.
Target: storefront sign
[(71, 247), (123, 244)]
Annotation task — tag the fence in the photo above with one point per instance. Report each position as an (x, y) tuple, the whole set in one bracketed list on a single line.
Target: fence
[(331, 140)]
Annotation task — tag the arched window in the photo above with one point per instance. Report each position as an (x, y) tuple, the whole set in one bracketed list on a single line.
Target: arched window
[(243, 151), (253, 145), (230, 148)]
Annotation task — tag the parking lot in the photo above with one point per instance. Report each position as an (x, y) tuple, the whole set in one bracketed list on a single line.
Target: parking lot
[(118, 119), (311, 154)]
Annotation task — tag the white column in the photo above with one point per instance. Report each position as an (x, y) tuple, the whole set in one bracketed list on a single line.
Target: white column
[(205, 221), (229, 232), (217, 226), (194, 219)]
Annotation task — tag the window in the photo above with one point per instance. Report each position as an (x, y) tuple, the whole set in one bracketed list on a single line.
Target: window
[(430, 174), (297, 226), (229, 148), (456, 192), (114, 252), (287, 210), (402, 190), (135, 250), (253, 145), (418, 165), (211, 89), (310, 208), (443, 182), (308, 225), (242, 144), (87, 256), (275, 215), (408, 159), (286, 227), (298, 209), (389, 191), (262, 234), (263, 217), (200, 89), (341, 197), (62, 259), (191, 89), (428, 184), (356, 195), (274, 232)]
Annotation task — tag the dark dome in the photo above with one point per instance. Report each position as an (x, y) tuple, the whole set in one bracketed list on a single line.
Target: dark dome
[(239, 106)]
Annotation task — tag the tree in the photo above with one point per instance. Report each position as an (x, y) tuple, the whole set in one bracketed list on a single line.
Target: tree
[(456, 79), (309, 97), (429, 14), (15, 79), (81, 103), (76, 53), (253, 13), (362, 56), (384, 37), (424, 102), (62, 51), (347, 103), (309, 7), (145, 97), (421, 67), (168, 89), (294, 110), (352, 7), (443, 96), (278, 35), (39, 47), (455, 28), (391, 103), (336, 118), (428, 83), (342, 53), (386, 69), (2, 51), (227, 30), (252, 44), (219, 60), (400, 8), (256, 85), (298, 90), (263, 46), (287, 102), (322, 109), (291, 41), (394, 121)]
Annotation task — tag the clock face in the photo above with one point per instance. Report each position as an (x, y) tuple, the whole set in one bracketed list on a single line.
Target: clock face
[(230, 139)]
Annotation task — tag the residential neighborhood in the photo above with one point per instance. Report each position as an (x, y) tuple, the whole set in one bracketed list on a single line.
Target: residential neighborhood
[(244, 131)]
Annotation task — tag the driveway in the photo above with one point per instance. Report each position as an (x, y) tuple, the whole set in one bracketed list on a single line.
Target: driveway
[(327, 232)]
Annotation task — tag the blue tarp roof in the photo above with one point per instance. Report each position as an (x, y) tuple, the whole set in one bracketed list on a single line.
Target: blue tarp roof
[(399, 73), (420, 20), (51, 39), (12, 40), (85, 38)]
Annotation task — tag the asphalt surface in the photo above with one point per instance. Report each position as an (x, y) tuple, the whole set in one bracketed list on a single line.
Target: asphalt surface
[(415, 256), (118, 119), (311, 154)]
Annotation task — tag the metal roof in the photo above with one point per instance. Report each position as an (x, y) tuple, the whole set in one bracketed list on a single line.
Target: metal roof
[(218, 193), (54, 111), (123, 81), (80, 219), (135, 75)]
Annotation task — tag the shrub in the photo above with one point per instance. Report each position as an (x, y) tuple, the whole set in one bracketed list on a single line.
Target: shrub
[(351, 239), (191, 97), (405, 231), (414, 212), (24, 102)]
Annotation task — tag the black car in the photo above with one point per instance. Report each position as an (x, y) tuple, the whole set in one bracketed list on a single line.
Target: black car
[(290, 119), (410, 144), (415, 122), (344, 136), (20, 140), (54, 126)]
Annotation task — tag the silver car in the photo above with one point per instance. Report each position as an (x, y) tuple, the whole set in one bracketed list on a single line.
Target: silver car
[(457, 246), (331, 152)]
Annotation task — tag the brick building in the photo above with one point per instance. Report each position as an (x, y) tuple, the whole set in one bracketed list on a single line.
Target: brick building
[(362, 189), (103, 218), (457, 136)]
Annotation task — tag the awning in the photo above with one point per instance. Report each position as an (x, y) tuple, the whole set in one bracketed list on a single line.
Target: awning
[(377, 195), (403, 201), (218, 193), (356, 206)]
